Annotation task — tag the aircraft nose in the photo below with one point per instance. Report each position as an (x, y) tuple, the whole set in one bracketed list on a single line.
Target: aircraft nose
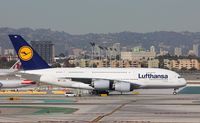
[(183, 81)]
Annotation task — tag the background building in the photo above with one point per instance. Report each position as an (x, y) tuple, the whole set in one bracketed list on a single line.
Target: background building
[(163, 52), (45, 49), (185, 64), (9, 52), (145, 55), (177, 51), (191, 52), (152, 49), (167, 64), (196, 49), (138, 53), (77, 52), (126, 55), (154, 63)]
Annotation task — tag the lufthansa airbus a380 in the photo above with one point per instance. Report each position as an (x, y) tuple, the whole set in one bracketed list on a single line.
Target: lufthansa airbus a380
[(104, 79)]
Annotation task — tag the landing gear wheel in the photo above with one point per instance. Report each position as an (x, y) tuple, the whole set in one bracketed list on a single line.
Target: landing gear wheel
[(175, 93)]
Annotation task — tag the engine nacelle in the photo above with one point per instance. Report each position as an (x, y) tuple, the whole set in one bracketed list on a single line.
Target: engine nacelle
[(102, 84), (123, 87)]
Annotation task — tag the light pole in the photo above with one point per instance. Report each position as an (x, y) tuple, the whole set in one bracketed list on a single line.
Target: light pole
[(115, 55), (100, 49), (93, 45), (110, 57), (106, 56)]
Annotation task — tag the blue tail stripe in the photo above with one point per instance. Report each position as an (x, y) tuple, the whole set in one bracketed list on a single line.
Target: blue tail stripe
[(35, 61)]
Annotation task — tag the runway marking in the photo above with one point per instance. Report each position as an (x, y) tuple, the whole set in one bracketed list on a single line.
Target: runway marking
[(108, 114)]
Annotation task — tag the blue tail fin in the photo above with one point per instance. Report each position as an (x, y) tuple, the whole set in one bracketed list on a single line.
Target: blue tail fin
[(28, 56)]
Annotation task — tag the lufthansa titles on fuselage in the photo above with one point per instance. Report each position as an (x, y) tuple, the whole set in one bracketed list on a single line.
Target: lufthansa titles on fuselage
[(152, 76)]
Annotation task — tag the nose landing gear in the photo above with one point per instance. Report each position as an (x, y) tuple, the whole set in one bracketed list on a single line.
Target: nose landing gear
[(175, 93)]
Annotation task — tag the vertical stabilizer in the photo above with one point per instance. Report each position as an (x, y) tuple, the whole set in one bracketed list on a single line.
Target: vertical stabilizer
[(29, 58)]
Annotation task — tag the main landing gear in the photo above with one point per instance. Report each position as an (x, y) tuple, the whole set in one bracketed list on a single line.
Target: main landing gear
[(175, 93), (99, 92)]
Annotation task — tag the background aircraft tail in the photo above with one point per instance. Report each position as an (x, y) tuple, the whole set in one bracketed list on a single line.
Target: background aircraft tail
[(29, 58), (16, 66)]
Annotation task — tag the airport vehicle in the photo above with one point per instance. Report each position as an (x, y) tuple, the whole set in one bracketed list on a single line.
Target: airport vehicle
[(12, 70), (70, 94), (99, 79), (16, 83)]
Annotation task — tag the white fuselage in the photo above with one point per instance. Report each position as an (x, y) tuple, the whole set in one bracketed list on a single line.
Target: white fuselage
[(144, 77)]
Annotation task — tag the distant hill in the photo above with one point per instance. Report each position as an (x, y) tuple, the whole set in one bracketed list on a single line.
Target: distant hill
[(62, 40)]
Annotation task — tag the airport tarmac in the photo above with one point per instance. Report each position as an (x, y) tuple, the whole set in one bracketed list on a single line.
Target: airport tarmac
[(142, 108)]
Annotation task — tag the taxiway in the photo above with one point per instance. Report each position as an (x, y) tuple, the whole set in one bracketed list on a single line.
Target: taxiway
[(114, 108)]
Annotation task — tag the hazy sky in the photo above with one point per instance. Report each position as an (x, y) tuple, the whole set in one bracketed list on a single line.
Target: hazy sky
[(102, 16)]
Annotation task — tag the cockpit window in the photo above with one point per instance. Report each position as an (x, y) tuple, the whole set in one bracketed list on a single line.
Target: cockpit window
[(180, 77)]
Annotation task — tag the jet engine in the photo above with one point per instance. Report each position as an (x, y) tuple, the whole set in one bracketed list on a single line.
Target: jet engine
[(123, 87), (102, 84)]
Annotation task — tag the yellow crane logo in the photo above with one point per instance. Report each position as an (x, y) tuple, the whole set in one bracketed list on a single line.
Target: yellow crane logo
[(25, 53)]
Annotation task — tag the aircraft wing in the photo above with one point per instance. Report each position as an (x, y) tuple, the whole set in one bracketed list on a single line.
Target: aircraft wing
[(136, 85), (90, 80), (28, 76)]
